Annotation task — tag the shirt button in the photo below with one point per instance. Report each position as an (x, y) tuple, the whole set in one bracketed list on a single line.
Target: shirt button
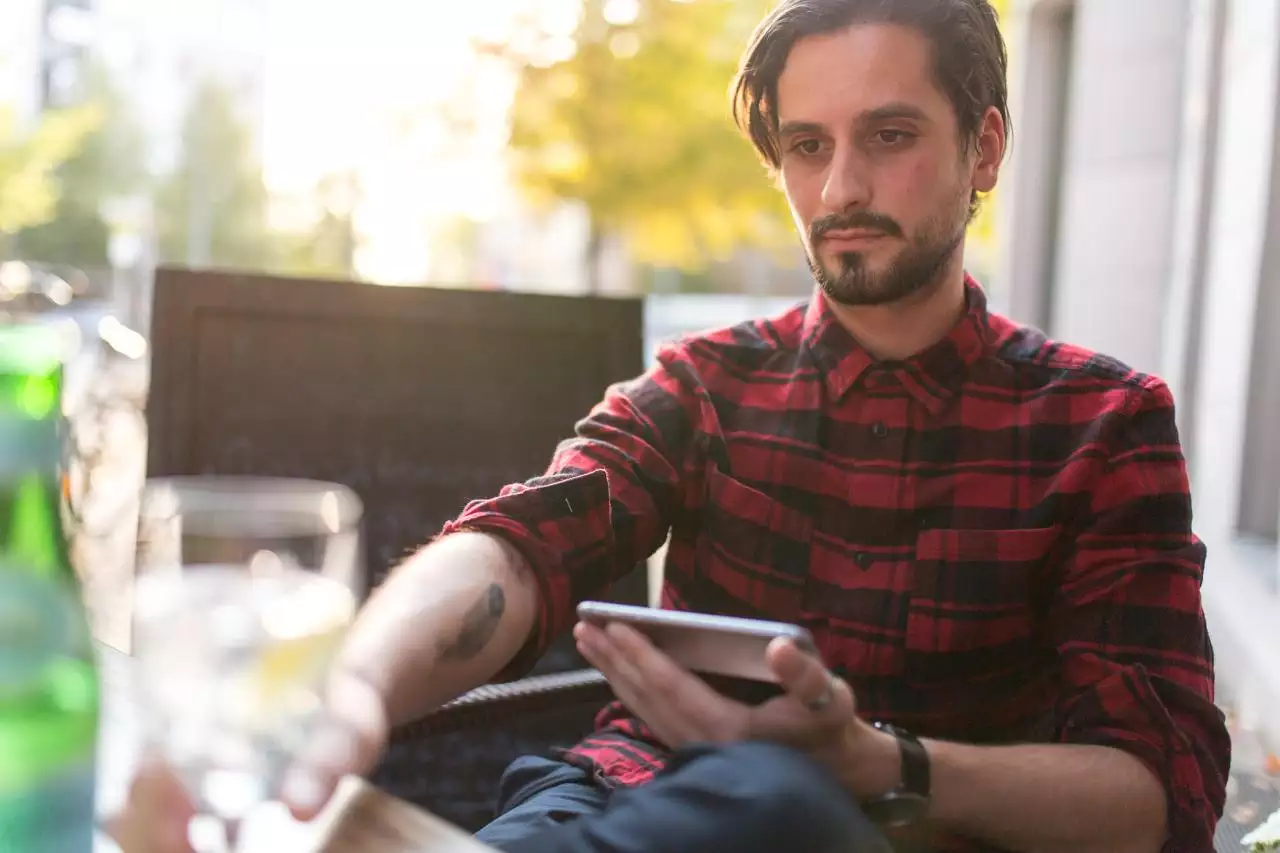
[(879, 430), (863, 559)]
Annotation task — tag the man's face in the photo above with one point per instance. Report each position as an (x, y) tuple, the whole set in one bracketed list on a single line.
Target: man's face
[(873, 166)]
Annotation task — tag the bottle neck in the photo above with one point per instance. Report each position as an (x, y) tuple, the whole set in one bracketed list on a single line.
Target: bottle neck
[(31, 534)]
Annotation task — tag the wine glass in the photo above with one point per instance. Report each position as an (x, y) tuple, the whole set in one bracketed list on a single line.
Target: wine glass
[(245, 588)]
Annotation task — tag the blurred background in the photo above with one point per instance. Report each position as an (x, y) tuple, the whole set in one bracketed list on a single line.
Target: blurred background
[(585, 146)]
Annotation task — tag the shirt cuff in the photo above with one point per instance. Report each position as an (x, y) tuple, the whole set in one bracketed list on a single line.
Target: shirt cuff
[(1125, 712), (561, 525)]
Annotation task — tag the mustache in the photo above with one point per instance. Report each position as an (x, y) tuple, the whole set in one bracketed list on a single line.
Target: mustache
[(862, 220)]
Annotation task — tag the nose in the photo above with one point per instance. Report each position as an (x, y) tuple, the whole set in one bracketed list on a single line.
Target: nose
[(847, 186)]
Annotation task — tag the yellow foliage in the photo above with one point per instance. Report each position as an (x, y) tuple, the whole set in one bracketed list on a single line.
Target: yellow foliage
[(645, 139), (983, 233), (28, 162)]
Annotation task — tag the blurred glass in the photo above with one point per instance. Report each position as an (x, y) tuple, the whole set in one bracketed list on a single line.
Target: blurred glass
[(245, 589)]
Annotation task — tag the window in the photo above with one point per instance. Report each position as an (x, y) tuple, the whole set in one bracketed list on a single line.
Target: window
[(1260, 479)]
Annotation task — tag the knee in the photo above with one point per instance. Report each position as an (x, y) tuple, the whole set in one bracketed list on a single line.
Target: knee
[(787, 793)]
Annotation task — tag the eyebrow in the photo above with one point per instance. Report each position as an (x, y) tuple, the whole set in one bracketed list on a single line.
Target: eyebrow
[(888, 112)]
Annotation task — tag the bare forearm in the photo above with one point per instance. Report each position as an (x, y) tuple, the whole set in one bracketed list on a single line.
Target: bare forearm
[(1048, 798), (446, 621)]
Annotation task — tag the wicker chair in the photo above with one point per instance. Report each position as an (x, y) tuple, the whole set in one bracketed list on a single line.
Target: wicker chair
[(450, 762), (452, 394)]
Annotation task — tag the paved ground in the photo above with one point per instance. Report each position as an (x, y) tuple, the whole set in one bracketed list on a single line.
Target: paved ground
[(1254, 790), (109, 432)]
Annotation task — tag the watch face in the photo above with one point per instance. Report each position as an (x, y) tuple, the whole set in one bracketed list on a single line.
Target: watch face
[(897, 808)]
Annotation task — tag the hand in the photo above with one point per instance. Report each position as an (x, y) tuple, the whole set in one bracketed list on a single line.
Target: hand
[(349, 740), (816, 714)]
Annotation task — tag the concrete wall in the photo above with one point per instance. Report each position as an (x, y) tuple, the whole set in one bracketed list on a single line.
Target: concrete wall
[(1163, 249), (1108, 244), (1239, 590)]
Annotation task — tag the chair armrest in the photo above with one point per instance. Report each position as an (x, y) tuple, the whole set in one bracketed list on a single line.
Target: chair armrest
[(450, 762), (511, 701)]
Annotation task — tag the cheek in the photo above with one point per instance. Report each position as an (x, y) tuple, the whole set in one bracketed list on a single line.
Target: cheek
[(918, 178), (802, 197), (914, 188)]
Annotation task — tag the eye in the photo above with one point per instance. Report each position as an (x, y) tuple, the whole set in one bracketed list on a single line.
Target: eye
[(807, 147), (892, 138)]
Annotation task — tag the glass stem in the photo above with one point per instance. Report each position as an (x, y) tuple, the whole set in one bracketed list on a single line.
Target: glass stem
[(231, 834)]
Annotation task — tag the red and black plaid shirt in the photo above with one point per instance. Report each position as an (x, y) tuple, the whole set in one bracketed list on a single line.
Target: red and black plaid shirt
[(991, 541)]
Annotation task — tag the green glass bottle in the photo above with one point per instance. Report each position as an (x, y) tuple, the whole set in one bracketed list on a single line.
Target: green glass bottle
[(48, 678)]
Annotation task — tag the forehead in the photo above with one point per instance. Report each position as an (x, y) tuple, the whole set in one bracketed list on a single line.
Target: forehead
[(832, 78)]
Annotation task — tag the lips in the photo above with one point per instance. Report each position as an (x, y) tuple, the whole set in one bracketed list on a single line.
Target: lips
[(852, 235)]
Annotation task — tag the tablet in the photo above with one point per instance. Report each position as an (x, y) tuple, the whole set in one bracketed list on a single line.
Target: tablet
[(702, 642)]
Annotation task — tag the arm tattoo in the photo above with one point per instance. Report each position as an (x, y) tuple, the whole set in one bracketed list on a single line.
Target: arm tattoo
[(479, 624)]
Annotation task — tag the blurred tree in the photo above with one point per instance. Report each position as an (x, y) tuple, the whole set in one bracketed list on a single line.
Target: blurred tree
[(212, 209), (455, 250), (983, 233), (328, 247), (633, 121), (29, 161), (111, 163)]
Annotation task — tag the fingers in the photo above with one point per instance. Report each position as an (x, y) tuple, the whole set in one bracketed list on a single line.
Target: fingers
[(600, 648), (156, 816), (628, 652), (675, 703), (804, 677), (357, 703), (632, 649), (348, 740)]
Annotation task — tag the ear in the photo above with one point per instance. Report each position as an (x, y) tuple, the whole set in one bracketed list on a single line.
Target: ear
[(990, 149)]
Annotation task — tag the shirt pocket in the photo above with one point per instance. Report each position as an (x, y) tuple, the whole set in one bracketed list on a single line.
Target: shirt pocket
[(973, 611), (752, 552)]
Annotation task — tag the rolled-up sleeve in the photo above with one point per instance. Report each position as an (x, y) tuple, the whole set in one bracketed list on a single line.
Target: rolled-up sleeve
[(1129, 627), (604, 503)]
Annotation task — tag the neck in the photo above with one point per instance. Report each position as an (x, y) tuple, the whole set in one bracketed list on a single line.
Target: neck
[(901, 329)]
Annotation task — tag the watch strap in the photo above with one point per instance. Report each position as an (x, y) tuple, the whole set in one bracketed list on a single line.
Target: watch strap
[(916, 777)]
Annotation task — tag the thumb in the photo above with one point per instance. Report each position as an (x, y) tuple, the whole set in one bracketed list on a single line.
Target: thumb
[(156, 815), (804, 677)]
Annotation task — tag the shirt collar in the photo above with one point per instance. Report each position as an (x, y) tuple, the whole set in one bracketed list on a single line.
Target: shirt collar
[(932, 376)]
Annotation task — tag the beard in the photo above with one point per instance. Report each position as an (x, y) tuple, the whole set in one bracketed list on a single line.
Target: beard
[(916, 266)]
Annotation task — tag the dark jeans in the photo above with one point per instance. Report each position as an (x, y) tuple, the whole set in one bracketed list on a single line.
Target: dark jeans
[(744, 798)]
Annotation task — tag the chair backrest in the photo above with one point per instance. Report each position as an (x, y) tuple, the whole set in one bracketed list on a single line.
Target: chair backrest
[(418, 398)]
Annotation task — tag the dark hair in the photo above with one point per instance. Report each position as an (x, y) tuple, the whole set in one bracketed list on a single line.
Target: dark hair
[(970, 62)]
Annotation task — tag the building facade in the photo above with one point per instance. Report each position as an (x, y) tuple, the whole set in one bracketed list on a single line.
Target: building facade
[(44, 47), (1140, 215)]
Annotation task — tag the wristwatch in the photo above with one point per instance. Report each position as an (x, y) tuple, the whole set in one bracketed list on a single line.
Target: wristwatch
[(906, 804)]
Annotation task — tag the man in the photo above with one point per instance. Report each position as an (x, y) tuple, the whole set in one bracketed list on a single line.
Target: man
[(988, 533)]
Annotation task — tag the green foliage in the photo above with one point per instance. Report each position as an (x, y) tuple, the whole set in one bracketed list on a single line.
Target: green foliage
[(212, 209), (29, 161), (111, 163), (326, 249)]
